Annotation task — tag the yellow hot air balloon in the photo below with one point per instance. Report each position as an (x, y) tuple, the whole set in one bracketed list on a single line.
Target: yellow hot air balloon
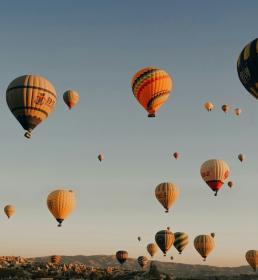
[(9, 210), (55, 259), (208, 106), (214, 172), (61, 203), (252, 258), (31, 99), (151, 86), (152, 249), (204, 244), (238, 111), (166, 194), (71, 97), (225, 108), (164, 239)]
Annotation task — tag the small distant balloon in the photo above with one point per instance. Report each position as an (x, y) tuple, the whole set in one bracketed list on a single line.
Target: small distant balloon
[(171, 258), (238, 111), (176, 155), (230, 184), (252, 258), (55, 259), (241, 157), (9, 210), (142, 261), (212, 234), (139, 238), (71, 97), (208, 106), (122, 256), (225, 108), (152, 249), (100, 157)]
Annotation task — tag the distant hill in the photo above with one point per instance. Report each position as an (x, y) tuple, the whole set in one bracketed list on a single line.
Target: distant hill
[(171, 268)]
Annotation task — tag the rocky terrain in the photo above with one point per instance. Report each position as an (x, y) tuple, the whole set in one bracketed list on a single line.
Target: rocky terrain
[(106, 267)]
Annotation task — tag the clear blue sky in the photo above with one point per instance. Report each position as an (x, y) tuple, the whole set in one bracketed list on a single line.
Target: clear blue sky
[(95, 48)]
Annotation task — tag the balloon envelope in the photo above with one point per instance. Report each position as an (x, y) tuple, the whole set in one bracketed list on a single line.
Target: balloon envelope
[(71, 97), (166, 194), (204, 244), (152, 249), (9, 210), (247, 67), (61, 204), (208, 106), (142, 261), (252, 258), (151, 86), (121, 256), (181, 240), (31, 99), (164, 240)]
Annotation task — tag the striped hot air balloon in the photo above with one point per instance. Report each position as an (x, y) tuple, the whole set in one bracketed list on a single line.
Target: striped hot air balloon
[(61, 203), (164, 239), (208, 106), (166, 194), (31, 99), (214, 172), (151, 87), (122, 256), (181, 240), (247, 67), (204, 244), (9, 210), (71, 97), (252, 258), (142, 261), (152, 249), (55, 259)]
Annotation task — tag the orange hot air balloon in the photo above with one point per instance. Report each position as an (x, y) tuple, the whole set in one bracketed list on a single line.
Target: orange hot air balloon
[(241, 157), (61, 203), (252, 258), (122, 256), (100, 157), (151, 86), (204, 244), (164, 239), (176, 155), (9, 210), (238, 111), (208, 106), (166, 194), (214, 172), (31, 99), (225, 108), (152, 249), (71, 97), (55, 259), (230, 184)]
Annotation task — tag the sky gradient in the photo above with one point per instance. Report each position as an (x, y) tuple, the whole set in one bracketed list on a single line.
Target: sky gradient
[(95, 48)]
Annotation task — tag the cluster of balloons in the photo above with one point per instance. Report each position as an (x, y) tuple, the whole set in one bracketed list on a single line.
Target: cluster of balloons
[(225, 108)]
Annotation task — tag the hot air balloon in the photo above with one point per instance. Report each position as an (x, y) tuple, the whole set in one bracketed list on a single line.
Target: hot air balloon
[(164, 239), (252, 258), (241, 157), (176, 155), (9, 210), (100, 157), (225, 108), (181, 240), (214, 172), (151, 86), (55, 259), (142, 261), (31, 99), (152, 249), (212, 234), (230, 184), (208, 106), (247, 67), (166, 194), (139, 238), (61, 203), (204, 244), (70, 97), (171, 258), (121, 256), (238, 111)]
